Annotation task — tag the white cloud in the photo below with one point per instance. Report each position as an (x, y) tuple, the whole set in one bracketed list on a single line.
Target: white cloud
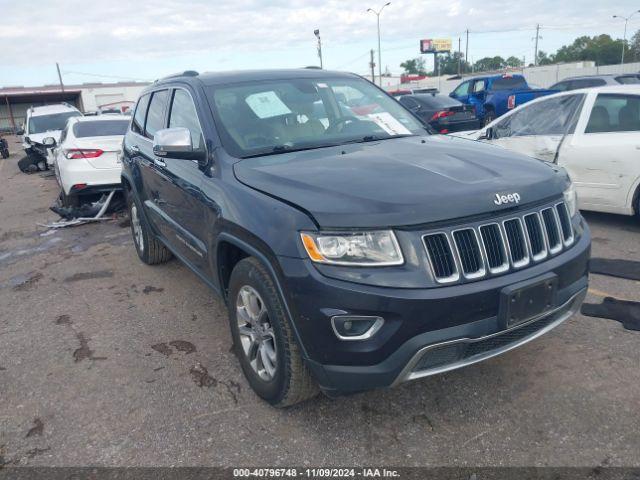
[(77, 31)]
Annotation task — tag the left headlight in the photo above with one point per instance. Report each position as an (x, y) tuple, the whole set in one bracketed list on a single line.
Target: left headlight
[(571, 200), (370, 249)]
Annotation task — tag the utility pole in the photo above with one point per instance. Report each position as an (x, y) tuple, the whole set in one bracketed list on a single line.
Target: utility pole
[(459, 57), (60, 77), (466, 51), (535, 55), (316, 32), (372, 65), (377, 13)]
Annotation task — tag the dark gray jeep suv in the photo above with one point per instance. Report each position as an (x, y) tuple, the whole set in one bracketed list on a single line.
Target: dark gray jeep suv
[(353, 249)]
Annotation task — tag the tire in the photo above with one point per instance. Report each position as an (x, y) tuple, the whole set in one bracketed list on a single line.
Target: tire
[(150, 250), (69, 200), (489, 117), (277, 372)]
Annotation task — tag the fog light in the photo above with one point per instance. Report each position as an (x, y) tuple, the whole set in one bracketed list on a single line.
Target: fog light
[(352, 327)]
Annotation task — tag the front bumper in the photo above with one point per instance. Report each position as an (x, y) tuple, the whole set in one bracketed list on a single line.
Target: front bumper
[(426, 331)]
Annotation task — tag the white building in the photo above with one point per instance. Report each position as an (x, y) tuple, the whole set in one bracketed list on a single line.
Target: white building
[(14, 101)]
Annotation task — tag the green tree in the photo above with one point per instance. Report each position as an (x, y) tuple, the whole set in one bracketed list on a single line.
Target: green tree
[(489, 63), (448, 63), (544, 59), (601, 49), (513, 62), (634, 47), (414, 66)]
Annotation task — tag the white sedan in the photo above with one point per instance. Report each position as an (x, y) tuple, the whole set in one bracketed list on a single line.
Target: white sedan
[(87, 158), (593, 133)]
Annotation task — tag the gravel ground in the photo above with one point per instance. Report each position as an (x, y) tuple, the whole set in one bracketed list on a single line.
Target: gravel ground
[(106, 361)]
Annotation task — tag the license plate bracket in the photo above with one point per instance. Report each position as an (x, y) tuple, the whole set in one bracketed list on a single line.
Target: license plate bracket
[(523, 301)]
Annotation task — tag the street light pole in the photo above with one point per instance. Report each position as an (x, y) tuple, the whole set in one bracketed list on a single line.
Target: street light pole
[(624, 37), (379, 51)]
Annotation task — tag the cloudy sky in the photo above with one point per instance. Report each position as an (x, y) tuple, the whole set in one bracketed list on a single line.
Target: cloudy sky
[(114, 40)]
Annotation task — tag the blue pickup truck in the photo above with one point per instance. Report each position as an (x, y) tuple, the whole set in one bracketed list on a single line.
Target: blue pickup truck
[(495, 95)]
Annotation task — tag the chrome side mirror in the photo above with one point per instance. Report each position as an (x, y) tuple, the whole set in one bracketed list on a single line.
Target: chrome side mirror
[(49, 142), (174, 143)]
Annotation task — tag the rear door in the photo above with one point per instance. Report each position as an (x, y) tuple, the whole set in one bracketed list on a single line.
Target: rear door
[(603, 157)]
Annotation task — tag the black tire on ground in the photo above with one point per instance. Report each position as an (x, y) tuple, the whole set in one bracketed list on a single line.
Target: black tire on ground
[(29, 163), (150, 250), (291, 382), (489, 117), (69, 200)]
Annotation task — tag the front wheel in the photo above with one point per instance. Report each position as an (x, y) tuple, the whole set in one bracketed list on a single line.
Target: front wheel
[(150, 250), (263, 338)]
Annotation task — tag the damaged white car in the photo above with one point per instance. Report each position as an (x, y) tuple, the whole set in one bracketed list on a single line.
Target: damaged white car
[(87, 157), (43, 122), (593, 133)]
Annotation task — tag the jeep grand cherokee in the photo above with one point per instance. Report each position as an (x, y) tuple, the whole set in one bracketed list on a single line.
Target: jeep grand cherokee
[(353, 249)]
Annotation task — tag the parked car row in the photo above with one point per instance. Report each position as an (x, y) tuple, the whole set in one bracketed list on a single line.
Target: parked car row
[(83, 150)]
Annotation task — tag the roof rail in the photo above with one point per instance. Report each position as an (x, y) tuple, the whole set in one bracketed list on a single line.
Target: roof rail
[(186, 73)]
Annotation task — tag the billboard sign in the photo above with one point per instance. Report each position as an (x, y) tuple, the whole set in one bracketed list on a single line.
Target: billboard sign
[(435, 45)]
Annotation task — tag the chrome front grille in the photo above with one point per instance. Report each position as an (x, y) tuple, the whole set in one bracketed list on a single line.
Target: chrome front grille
[(477, 251)]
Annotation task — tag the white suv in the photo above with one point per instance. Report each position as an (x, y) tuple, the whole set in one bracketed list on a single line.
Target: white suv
[(42, 122)]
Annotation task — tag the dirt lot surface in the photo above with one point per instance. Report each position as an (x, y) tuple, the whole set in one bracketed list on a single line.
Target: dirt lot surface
[(106, 361)]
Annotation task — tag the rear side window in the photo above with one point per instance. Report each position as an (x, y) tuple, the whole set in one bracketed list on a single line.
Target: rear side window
[(183, 114), (509, 83), (155, 117), (137, 125), (437, 101), (562, 86), (587, 83), (615, 113), (100, 128), (629, 79)]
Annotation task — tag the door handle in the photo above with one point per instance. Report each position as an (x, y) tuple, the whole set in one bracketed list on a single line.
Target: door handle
[(135, 148), (159, 162)]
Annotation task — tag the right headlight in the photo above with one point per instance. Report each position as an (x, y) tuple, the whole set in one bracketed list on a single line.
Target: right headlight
[(365, 249), (571, 199)]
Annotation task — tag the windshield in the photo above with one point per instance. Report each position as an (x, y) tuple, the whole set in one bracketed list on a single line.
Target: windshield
[(46, 123), (267, 117), (100, 128), (509, 83)]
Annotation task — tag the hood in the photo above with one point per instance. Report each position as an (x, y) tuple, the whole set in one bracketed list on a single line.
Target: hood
[(401, 181), (38, 137)]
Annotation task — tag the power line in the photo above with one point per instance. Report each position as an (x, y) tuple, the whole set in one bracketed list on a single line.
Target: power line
[(106, 76)]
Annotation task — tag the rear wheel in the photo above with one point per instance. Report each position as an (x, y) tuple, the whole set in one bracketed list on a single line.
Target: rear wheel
[(489, 117), (150, 250), (263, 338), (69, 200)]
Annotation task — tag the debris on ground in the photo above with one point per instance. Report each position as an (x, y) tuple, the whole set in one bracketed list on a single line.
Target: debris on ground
[(85, 213), (623, 311), (628, 269)]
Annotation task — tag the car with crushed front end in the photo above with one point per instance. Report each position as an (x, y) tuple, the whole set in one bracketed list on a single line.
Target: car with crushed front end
[(353, 250)]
